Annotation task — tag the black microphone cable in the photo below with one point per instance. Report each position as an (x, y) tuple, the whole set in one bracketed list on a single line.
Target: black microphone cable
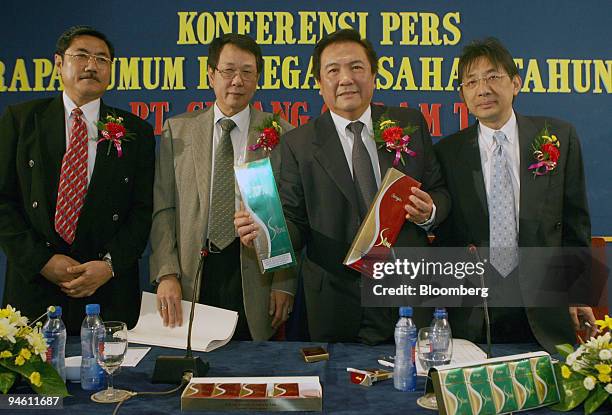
[(185, 380)]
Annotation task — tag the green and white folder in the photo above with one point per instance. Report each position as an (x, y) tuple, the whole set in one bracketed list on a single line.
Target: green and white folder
[(261, 200)]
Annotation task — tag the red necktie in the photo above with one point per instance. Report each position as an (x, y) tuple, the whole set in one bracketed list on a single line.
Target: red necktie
[(73, 180)]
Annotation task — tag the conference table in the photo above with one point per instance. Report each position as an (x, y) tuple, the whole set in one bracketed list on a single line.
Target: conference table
[(272, 358)]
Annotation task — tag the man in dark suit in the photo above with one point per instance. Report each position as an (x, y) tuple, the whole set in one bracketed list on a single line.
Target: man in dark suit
[(500, 204), (75, 208), (330, 171)]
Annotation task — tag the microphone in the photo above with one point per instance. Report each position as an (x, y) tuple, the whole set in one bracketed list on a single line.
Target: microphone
[(472, 249), (170, 369)]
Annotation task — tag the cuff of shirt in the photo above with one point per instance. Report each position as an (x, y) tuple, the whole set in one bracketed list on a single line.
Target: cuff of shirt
[(426, 226), (283, 291), (158, 279)]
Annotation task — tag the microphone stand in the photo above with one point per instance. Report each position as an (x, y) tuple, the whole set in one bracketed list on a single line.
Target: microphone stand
[(170, 369), (485, 305)]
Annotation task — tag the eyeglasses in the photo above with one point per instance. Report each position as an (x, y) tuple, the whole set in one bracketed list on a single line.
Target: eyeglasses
[(83, 58), (492, 79), (230, 73)]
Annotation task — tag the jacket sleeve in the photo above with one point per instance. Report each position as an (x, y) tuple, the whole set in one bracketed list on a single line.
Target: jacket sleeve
[(23, 246), (164, 258), (576, 218), (286, 278), (433, 180)]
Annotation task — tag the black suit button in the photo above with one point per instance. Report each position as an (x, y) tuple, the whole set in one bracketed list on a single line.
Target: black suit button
[(31, 163), (35, 204), (115, 217), (100, 254), (558, 225)]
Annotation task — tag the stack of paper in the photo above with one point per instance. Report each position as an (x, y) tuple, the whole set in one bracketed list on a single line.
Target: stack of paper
[(212, 327)]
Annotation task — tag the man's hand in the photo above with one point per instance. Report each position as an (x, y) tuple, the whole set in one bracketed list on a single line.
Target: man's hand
[(56, 269), (169, 295), (420, 209), (581, 315), (88, 277), (281, 305), (246, 227)]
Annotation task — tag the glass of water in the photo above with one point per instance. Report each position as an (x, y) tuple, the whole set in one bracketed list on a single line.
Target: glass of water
[(109, 347), (434, 348)]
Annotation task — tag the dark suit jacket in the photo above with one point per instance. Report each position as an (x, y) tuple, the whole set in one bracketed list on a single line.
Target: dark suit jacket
[(115, 218), (553, 208), (320, 205)]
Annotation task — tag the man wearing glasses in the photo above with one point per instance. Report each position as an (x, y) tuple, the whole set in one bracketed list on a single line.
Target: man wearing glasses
[(75, 211), (196, 198), (502, 201)]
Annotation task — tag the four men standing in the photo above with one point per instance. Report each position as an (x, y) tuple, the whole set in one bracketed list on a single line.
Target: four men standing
[(73, 233)]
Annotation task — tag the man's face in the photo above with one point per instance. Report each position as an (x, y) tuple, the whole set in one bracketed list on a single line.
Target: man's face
[(233, 93), (347, 81), (84, 79), (490, 99)]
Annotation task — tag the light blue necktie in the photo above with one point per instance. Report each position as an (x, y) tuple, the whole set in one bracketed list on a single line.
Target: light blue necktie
[(502, 213)]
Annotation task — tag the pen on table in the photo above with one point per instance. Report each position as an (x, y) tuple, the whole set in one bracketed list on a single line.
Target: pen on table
[(361, 372)]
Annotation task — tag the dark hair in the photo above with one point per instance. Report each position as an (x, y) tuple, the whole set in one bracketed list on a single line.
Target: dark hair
[(243, 42), (490, 48), (68, 36), (343, 35)]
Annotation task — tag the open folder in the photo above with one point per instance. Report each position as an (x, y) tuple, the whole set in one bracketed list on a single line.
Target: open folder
[(212, 327)]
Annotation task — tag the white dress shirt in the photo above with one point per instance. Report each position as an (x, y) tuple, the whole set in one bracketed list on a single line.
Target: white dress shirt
[(511, 148), (91, 115)]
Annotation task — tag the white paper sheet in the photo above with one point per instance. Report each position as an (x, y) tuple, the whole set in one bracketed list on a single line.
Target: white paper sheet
[(212, 327), (134, 355), (464, 352)]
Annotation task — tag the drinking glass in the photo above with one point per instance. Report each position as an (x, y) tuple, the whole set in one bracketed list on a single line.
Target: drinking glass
[(110, 344), (434, 348)]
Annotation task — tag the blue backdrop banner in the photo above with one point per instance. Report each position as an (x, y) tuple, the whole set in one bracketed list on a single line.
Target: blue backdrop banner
[(562, 49)]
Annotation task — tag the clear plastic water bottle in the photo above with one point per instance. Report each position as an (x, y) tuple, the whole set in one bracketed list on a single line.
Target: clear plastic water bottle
[(404, 371), (441, 336), (92, 375), (54, 332)]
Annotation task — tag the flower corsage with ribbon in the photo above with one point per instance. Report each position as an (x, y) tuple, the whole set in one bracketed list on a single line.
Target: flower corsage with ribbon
[(396, 139), (113, 131), (269, 134), (545, 151)]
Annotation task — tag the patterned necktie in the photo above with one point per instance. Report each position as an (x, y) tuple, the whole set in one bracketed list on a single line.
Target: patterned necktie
[(502, 212), (221, 228), (73, 180), (363, 175)]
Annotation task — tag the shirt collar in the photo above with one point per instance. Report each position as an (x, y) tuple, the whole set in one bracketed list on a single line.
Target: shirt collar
[(241, 118), (366, 118), (509, 129), (91, 110)]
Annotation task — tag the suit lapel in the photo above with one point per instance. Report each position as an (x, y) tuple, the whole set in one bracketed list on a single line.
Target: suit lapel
[(103, 175), (469, 176), (532, 188), (201, 144), (331, 156), (385, 158), (256, 119), (51, 133)]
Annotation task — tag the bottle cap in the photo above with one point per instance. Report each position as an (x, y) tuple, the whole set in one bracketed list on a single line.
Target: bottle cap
[(92, 309), (55, 313), (405, 311), (440, 312)]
